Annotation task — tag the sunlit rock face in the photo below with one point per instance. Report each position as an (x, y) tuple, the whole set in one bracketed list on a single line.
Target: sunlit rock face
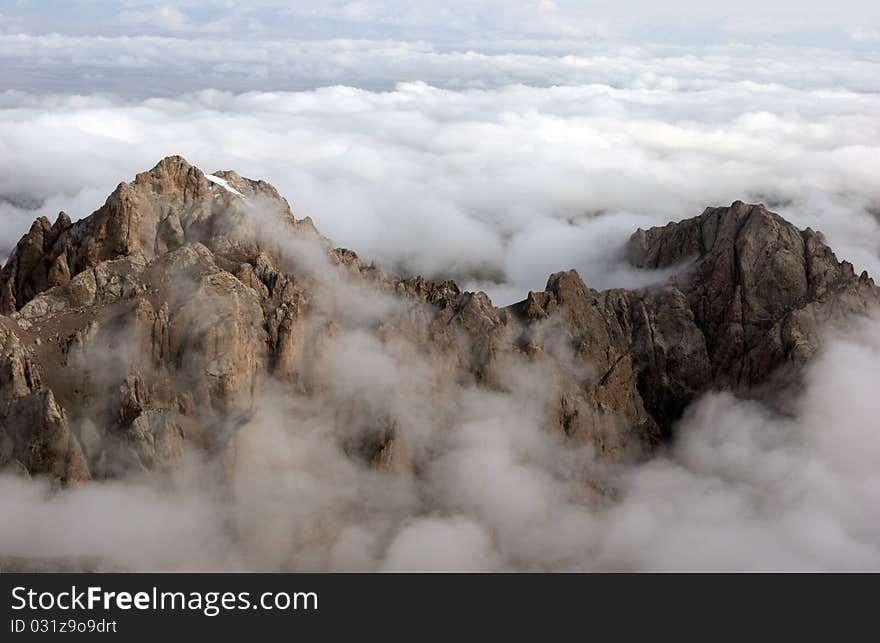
[(158, 325)]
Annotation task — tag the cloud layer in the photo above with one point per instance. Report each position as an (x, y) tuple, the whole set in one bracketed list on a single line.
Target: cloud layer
[(168, 65), (497, 186)]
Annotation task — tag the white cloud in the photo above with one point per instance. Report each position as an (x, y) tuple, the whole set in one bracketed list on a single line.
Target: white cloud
[(571, 23), (151, 65), (503, 184), (441, 545), (745, 489), (165, 17), (865, 34)]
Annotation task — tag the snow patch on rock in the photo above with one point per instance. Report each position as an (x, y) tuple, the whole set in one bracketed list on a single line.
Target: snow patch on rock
[(225, 185)]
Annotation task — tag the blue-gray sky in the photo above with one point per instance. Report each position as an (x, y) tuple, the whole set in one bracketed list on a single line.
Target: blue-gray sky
[(136, 48), (813, 22)]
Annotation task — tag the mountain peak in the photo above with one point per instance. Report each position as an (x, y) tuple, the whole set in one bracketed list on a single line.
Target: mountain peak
[(158, 211), (182, 297), (756, 283)]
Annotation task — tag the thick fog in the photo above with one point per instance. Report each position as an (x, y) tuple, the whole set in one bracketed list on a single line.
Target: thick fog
[(490, 488)]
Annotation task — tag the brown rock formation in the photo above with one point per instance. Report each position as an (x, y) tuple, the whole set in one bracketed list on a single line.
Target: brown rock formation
[(760, 289), (152, 325)]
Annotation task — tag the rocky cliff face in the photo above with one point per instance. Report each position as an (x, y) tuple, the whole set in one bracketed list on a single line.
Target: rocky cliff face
[(153, 327), (759, 288)]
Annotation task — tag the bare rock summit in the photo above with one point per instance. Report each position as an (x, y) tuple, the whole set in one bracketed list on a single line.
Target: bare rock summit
[(154, 326)]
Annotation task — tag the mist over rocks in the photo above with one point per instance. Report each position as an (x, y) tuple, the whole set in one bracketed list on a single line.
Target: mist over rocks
[(760, 289), (194, 336)]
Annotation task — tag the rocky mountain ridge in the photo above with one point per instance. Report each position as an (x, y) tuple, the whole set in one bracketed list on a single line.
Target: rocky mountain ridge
[(154, 326)]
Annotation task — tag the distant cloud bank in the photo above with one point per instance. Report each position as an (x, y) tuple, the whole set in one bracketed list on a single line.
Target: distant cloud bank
[(498, 170)]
